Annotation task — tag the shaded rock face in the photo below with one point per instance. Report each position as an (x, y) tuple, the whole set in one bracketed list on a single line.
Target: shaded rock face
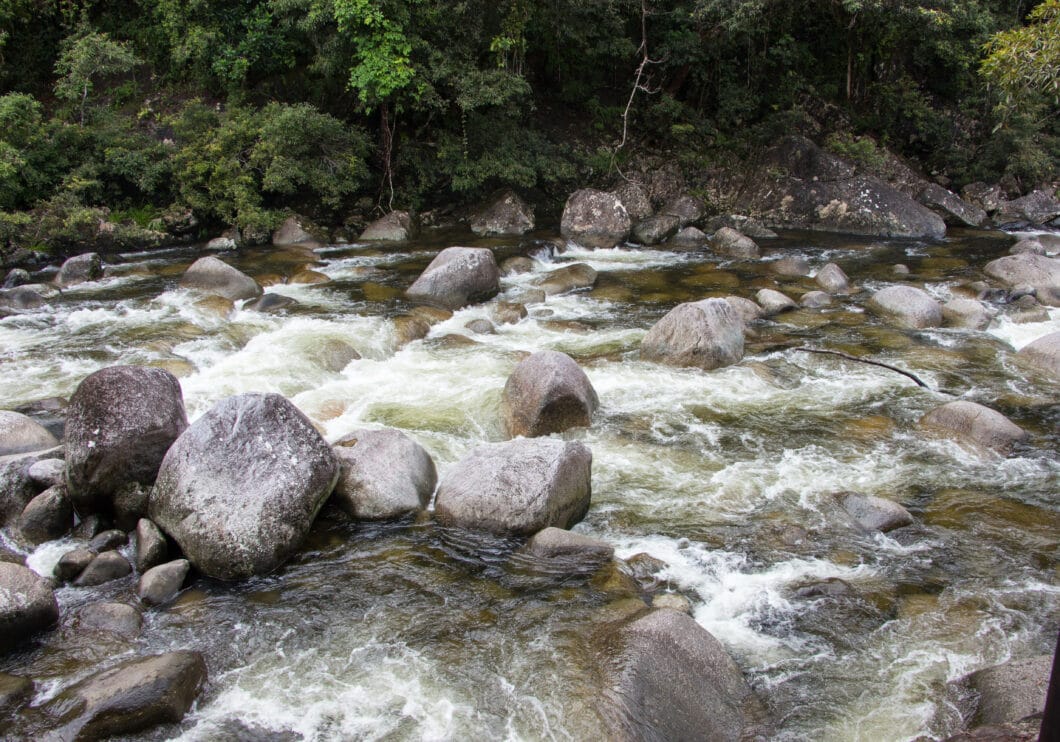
[(966, 313), (595, 219), (505, 213), (239, 490), (656, 229), (396, 226), (383, 474), (291, 232), (161, 584), (815, 300), (874, 513), (832, 279), (668, 678), (79, 269), (110, 565), (1028, 269), (72, 563), (1010, 691), (568, 278), (819, 191), (213, 276), (15, 691), (120, 423), (986, 197), (1035, 208), (17, 487), (1043, 354), (151, 547), (685, 208), (907, 306), (20, 299), (456, 277), (130, 697), (21, 434), (705, 334), (973, 422), (48, 516), (954, 210), (548, 393), (519, 487), (27, 604), (635, 200), (742, 224)]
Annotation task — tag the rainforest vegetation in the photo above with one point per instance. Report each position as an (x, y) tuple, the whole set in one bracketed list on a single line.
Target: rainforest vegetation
[(242, 109)]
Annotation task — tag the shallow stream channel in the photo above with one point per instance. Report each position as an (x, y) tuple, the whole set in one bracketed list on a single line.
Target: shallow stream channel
[(409, 631)]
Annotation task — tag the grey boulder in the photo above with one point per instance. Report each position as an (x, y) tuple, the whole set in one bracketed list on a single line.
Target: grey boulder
[(382, 474), (518, 487), (595, 219), (1029, 269), (552, 543), (120, 423), (120, 619), (965, 313), (668, 678), (954, 210), (566, 279), (396, 226), (110, 565), (21, 434), (728, 241), (457, 276), (80, 269), (1010, 691), (907, 306), (504, 213), (161, 584), (656, 229), (774, 302), (1043, 354), (832, 279), (548, 393), (705, 334), (239, 490), (27, 604), (17, 487), (214, 276), (151, 547), (972, 422), (47, 516), (1036, 208)]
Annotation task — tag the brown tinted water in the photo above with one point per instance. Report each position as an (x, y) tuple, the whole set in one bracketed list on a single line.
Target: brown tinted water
[(409, 631)]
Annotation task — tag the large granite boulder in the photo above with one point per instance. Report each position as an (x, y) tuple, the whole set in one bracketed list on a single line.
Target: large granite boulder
[(21, 434), (656, 229), (504, 213), (239, 490), (396, 226), (80, 269), (705, 334), (667, 678), (800, 186), (518, 487), (954, 210), (383, 474), (1010, 691), (1028, 269), (27, 604), (595, 219), (457, 276), (548, 393), (1043, 354), (728, 241), (214, 276), (120, 423), (907, 306), (873, 513), (130, 697), (635, 199), (971, 421)]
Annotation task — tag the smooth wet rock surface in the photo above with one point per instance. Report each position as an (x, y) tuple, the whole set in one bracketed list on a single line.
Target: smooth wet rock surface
[(382, 474), (548, 393), (27, 605), (456, 277), (706, 334)]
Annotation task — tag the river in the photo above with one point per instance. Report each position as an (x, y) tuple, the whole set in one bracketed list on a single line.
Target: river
[(408, 631)]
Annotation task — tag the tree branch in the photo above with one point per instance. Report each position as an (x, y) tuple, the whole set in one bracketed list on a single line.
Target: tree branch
[(864, 360)]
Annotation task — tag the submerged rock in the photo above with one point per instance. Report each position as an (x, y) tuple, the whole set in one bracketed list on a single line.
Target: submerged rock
[(815, 300), (874, 513), (21, 434), (130, 697), (504, 213), (240, 488), (705, 334), (15, 691), (595, 219), (967, 313), (519, 487), (456, 277), (120, 619), (908, 306), (548, 393), (213, 276), (568, 278), (668, 678), (551, 543), (383, 474), (120, 423), (975, 423), (27, 604)]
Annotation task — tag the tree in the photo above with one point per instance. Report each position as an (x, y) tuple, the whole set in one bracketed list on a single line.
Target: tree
[(1023, 64), (87, 57)]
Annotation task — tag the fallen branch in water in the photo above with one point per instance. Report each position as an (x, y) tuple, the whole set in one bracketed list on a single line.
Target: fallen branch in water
[(863, 360)]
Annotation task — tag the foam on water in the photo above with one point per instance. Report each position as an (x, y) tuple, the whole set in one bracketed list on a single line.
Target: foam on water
[(1020, 335)]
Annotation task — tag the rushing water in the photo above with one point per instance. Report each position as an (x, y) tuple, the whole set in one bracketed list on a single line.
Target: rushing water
[(410, 631)]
